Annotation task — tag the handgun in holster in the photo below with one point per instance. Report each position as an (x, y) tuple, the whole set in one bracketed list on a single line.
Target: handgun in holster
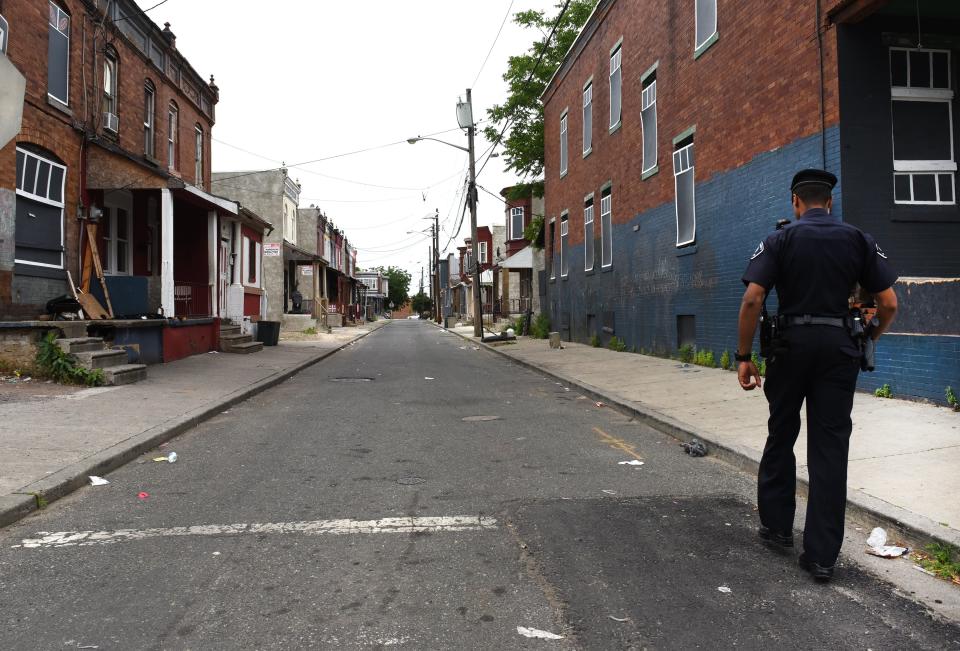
[(771, 335), (860, 325)]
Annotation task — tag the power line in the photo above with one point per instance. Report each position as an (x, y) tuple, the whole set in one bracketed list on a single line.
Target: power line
[(533, 71), (495, 39)]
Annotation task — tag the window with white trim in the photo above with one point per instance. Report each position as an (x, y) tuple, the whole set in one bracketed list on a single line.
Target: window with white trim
[(684, 192), (516, 223), (606, 228), (563, 143), (648, 121), (198, 156), (564, 243), (38, 238), (587, 118), (924, 164), (173, 119), (58, 54), (554, 250), (588, 240), (482, 252), (706, 21), (149, 117), (115, 227), (615, 87), (251, 262), (110, 84)]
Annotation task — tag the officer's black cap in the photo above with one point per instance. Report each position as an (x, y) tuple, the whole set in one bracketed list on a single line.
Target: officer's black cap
[(813, 177)]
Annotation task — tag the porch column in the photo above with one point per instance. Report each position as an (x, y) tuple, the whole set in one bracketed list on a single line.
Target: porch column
[(166, 254), (316, 290), (235, 243), (213, 261)]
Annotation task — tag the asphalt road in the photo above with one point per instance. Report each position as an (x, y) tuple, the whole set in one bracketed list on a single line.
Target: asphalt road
[(414, 492)]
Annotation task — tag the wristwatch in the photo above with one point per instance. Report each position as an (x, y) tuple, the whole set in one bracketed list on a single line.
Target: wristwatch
[(743, 358)]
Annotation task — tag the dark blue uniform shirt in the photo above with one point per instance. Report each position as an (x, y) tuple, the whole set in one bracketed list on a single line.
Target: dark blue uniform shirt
[(815, 262)]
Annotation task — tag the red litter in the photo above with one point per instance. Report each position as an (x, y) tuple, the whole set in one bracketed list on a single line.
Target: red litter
[(143, 495)]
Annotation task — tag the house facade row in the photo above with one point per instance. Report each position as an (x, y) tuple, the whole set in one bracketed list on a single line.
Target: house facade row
[(673, 130), (105, 172)]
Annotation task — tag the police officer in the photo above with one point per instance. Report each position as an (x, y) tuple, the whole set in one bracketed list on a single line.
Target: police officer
[(814, 263)]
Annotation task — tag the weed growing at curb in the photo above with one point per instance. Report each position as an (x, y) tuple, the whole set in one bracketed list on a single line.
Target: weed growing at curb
[(617, 344), (725, 360), (57, 365), (595, 341), (952, 398), (686, 353), (310, 331), (540, 328), (942, 560), (884, 392)]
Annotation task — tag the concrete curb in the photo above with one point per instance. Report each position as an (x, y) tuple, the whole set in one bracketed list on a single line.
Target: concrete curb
[(18, 505), (915, 530)]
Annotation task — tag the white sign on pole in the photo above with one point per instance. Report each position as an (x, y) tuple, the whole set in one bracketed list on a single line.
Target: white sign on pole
[(271, 250), (12, 88)]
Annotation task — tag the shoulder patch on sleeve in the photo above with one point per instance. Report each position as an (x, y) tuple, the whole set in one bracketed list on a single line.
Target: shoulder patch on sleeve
[(880, 251), (760, 249)]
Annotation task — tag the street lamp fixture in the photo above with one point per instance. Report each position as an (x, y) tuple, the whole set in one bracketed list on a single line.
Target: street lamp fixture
[(414, 141)]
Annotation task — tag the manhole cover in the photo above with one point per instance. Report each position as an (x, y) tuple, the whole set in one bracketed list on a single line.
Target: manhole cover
[(410, 481), (474, 419), (351, 379)]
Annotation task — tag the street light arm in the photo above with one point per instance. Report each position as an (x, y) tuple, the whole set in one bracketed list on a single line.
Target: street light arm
[(414, 141)]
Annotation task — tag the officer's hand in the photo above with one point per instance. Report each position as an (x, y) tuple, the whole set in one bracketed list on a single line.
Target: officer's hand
[(749, 376)]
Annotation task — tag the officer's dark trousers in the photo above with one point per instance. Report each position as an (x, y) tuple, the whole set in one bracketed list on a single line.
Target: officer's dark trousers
[(821, 367)]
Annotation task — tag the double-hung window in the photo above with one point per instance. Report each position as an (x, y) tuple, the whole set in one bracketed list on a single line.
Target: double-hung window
[(563, 143), (588, 240), (173, 120), (58, 54), (110, 92), (924, 165), (615, 87), (606, 228), (587, 118), (706, 20), (115, 226), (39, 211), (198, 156), (516, 223), (482, 252), (564, 243), (149, 117), (684, 191), (648, 121), (251, 262)]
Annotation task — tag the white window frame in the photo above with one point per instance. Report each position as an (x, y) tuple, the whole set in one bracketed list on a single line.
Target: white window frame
[(149, 118), (606, 228), (554, 249), (587, 120), (682, 165), (245, 270), (516, 211), (564, 144), (44, 198), (4, 30), (616, 57), (701, 44), (173, 127), (198, 143), (65, 100), (588, 241), (110, 67), (913, 168), (110, 253), (482, 252), (648, 101), (564, 235)]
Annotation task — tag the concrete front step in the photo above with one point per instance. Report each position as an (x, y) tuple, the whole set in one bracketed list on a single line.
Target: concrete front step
[(245, 347), (124, 374), (229, 330), (229, 342), (103, 358), (80, 344)]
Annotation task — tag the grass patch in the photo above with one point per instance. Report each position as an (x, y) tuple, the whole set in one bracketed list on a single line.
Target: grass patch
[(617, 344), (942, 560), (310, 331)]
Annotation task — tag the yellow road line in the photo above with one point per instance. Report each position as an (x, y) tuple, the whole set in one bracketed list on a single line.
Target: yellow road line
[(618, 444)]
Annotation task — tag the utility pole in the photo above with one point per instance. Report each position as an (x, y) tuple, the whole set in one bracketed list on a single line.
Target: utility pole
[(436, 267), (472, 198)]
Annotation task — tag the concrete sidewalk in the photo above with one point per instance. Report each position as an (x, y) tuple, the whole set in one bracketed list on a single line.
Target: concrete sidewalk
[(904, 456), (53, 437)]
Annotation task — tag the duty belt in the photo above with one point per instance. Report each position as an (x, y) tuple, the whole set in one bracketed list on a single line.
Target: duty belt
[(787, 321)]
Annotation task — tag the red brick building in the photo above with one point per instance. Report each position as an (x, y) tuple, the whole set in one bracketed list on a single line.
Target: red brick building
[(673, 128)]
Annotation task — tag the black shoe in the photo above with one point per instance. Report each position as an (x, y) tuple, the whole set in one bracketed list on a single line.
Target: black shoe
[(817, 571), (784, 541)]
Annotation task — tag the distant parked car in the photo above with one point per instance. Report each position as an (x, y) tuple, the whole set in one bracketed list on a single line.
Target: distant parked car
[(414, 316)]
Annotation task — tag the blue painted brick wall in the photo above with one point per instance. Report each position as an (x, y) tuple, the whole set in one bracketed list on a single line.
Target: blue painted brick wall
[(651, 282)]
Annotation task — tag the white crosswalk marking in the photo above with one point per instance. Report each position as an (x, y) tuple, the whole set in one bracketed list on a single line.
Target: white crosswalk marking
[(315, 527)]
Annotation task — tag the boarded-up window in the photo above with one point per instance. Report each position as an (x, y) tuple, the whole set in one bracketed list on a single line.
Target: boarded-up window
[(58, 55), (39, 211), (588, 240), (564, 250), (606, 228)]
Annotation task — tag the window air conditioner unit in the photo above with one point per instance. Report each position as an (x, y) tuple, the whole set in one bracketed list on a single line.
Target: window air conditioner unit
[(111, 122)]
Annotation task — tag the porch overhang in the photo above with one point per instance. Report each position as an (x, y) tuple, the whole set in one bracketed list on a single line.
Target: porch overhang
[(295, 253), (195, 195), (522, 259), (853, 11)]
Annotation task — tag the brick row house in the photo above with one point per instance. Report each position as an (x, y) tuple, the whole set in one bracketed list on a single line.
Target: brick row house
[(115, 133), (520, 263), (460, 270), (673, 129)]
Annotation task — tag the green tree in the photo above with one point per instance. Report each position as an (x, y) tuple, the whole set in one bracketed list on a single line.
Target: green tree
[(399, 285), (523, 142), (421, 304)]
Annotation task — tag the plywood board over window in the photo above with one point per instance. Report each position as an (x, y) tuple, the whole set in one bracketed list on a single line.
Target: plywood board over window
[(39, 210)]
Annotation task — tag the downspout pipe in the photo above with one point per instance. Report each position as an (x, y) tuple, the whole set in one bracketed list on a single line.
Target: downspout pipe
[(823, 117)]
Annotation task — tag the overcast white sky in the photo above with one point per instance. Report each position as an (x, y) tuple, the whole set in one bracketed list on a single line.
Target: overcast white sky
[(306, 79)]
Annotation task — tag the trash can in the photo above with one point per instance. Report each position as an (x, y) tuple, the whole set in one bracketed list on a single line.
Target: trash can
[(268, 332), (450, 321)]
